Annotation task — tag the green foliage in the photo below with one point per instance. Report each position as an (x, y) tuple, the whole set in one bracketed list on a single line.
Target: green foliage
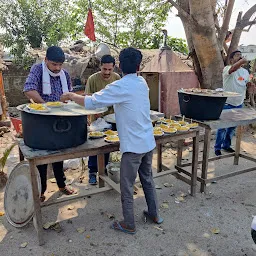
[(127, 23), (6, 153), (29, 23), (177, 44)]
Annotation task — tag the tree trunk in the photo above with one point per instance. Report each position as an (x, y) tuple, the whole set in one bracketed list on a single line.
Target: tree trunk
[(205, 43), (184, 4)]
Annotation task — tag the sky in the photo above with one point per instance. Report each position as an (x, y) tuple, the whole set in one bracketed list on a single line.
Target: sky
[(175, 28)]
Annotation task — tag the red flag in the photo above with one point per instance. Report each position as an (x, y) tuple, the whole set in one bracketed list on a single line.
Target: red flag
[(89, 26)]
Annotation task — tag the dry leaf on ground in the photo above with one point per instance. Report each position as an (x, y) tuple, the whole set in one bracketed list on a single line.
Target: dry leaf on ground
[(167, 185), (80, 230), (164, 206), (48, 225), (2, 214), (158, 228), (23, 245), (215, 230)]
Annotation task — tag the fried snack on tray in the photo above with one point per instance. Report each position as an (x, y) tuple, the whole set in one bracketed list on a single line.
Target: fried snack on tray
[(110, 132), (112, 139), (96, 134), (37, 106), (54, 104)]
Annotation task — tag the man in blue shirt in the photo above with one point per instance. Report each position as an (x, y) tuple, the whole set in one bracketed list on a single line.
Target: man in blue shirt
[(130, 98)]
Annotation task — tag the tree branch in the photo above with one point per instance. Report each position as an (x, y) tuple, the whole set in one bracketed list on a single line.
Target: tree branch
[(181, 11), (226, 21), (248, 23), (247, 30), (249, 13)]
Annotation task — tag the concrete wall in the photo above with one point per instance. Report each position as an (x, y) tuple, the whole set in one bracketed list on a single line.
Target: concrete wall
[(14, 79)]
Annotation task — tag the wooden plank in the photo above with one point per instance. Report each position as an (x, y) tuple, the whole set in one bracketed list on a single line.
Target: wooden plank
[(206, 152), (194, 164), (238, 144), (111, 183), (230, 118), (248, 157), (58, 158), (165, 168), (37, 208), (176, 136), (231, 174), (62, 199), (188, 173), (180, 177), (210, 159), (89, 148), (101, 169), (160, 174), (179, 152), (159, 157)]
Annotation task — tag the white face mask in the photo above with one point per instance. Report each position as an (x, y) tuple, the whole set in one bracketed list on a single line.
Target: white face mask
[(50, 72)]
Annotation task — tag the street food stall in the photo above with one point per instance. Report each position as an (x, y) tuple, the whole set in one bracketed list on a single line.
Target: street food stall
[(205, 106), (23, 188)]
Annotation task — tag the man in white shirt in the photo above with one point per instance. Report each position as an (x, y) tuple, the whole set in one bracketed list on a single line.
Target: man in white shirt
[(130, 98), (235, 79)]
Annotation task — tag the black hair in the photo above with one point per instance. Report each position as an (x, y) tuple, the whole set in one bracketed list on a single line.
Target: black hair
[(107, 59), (130, 59), (56, 54), (232, 54)]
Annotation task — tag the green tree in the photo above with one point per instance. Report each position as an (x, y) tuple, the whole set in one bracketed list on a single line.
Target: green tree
[(126, 23), (29, 23)]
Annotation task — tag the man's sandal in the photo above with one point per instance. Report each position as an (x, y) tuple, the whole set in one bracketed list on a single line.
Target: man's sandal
[(157, 220), (120, 226), (67, 190)]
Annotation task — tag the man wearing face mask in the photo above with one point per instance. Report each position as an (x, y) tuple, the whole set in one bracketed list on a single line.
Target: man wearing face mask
[(235, 79), (46, 82)]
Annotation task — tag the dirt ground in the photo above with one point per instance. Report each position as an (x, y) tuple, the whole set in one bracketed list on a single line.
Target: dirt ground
[(189, 227)]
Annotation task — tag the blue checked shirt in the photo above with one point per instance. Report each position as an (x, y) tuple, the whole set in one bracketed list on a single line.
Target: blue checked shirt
[(35, 79)]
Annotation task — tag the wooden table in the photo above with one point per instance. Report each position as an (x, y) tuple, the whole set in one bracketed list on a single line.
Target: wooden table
[(99, 147), (229, 118)]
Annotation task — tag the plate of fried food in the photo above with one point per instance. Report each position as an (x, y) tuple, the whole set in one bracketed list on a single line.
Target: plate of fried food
[(168, 121), (193, 125), (54, 104), (110, 133), (183, 123), (96, 135), (158, 131), (112, 139), (38, 107), (170, 130), (175, 125), (183, 128)]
